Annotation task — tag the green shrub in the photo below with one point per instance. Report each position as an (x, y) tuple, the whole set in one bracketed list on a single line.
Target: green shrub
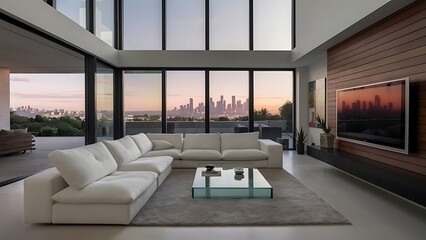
[(48, 131)]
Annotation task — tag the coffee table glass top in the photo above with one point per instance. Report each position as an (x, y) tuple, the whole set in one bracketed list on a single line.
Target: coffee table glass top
[(251, 184)]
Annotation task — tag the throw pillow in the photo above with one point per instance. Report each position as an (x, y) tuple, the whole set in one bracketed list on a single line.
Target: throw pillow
[(161, 144), (143, 142)]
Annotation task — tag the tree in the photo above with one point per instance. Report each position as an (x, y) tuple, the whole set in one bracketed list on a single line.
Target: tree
[(39, 118), (223, 118), (286, 112), (263, 114)]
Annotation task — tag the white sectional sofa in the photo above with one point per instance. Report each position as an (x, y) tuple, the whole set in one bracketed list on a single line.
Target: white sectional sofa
[(109, 182), (230, 148)]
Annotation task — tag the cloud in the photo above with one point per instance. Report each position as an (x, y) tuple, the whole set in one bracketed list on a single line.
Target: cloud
[(279, 98), (63, 95), (20, 79)]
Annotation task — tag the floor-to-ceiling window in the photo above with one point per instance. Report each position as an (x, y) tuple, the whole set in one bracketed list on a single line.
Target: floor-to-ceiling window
[(75, 10), (229, 100), (229, 25), (185, 101), (104, 98), (142, 24), (185, 25), (273, 105), (272, 21), (104, 23), (142, 97)]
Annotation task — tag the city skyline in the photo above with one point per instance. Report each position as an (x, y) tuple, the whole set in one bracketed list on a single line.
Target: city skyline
[(142, 92), (217, 108), (368, 97)]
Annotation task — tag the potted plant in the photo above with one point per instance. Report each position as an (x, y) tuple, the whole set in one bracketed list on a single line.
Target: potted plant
[(301, 138), (326, 138)]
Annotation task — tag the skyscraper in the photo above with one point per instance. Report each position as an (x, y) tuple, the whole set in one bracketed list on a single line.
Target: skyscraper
[(234, 106)]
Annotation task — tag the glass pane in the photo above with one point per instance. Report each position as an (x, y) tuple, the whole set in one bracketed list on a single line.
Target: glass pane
[(185, 102), (73, 9), (229, 102), (105, 21), (272, 24), (142, 102), (40, 103), (273, 105), (229, 25), (104, 84), (185, 25), (142, 25)]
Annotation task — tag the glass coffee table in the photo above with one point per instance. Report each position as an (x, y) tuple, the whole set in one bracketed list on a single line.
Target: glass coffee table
[(250, 184)]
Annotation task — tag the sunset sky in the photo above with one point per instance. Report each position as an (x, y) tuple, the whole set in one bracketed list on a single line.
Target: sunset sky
[(387, 94), (47, 91), (142, 90)]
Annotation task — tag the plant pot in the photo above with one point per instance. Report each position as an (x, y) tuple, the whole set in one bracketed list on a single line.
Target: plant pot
[(300, 148), (327, 140)]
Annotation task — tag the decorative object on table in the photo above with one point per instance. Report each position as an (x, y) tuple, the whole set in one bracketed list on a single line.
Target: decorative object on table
[(301, 137), (326, 138), (238, 177), (209, 168), (316, 100), (239, 170), (211, 173)]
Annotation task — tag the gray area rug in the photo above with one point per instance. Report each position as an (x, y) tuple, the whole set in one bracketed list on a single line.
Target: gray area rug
[(293, 204)]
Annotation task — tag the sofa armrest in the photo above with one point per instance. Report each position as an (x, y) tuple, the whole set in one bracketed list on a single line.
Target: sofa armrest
[(274, 151), (38, 192)]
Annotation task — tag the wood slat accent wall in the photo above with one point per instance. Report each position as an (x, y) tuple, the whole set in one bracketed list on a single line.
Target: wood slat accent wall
[(390, 49)]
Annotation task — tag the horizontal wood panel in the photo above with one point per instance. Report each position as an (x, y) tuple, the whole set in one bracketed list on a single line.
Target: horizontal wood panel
[(381, 27), (411, 55), (404, 35), (395, 66), (391, 49)]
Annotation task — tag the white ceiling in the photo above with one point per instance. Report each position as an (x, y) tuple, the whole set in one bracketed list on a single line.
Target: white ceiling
[(24, 52)]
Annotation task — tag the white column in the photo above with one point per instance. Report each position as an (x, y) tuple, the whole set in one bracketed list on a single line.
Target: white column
[(4, 98), (302, 98)]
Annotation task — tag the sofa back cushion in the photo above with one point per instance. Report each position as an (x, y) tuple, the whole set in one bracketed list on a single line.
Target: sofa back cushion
[(239, 140), (123, 150), (83, 165), (202, 141), (143, 142), (174, 138)]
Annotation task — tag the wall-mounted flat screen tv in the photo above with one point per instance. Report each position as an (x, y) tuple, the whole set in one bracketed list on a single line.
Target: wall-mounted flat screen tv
[(375, 115)]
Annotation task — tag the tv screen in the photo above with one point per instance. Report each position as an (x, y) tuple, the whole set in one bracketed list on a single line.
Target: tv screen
[(375, 115)]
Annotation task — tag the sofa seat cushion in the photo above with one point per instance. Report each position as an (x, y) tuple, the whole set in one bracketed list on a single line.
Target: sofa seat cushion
[(83, 165), (124, 150), (202, 141), (239, 141), (201, 154), (153, 164), (143, 142), (119, 187), (244, 154), (174, 138), (172, 152)]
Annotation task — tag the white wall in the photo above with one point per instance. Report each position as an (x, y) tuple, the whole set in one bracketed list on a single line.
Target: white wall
[(302, 98), (4, 99), (321, 24), (41, 16), (316, 71)]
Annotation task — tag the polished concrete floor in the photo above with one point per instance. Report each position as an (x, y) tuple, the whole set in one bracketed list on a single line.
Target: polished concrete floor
[(15, 166), (374, 214)]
